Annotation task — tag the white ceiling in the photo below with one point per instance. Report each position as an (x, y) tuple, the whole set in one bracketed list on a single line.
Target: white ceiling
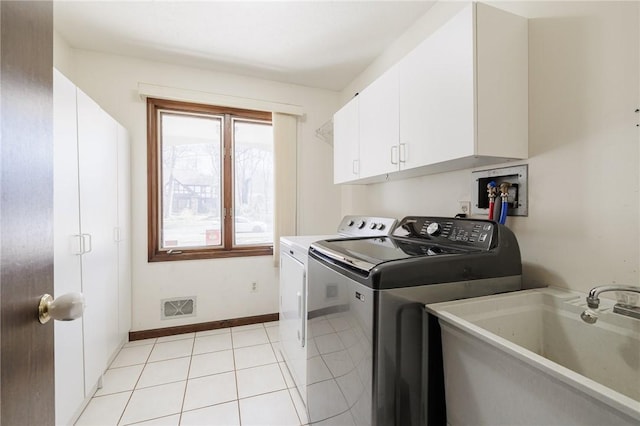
[(323, 44)]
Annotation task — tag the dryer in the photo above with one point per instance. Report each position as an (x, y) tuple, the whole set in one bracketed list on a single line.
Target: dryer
[(293, 289)]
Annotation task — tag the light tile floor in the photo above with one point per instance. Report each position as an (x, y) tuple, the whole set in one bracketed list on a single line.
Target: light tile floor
[(232, 376)]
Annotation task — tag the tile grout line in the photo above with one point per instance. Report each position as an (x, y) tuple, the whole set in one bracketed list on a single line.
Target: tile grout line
[(295, 407), (154, 347), (136, 384), (235, 375), (186, 383)]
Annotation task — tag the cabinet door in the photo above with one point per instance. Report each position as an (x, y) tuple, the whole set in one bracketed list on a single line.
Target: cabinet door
[(292, 322), (502, 84), (69, 371), (379, 126), (437, 112), (346, 143), (124, 234), (97, 148)]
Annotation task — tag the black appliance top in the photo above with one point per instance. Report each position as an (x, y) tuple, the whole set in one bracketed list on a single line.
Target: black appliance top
[(425, 250)]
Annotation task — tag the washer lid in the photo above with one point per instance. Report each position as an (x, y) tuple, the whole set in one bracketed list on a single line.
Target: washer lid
[(364, 254)]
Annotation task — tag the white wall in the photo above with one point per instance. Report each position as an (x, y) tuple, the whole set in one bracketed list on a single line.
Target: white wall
[(63, 59), (582, 229), (222, 285), (583, 223)]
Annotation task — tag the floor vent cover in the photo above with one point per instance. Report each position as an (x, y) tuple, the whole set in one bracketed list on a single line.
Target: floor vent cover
[(178, 308)]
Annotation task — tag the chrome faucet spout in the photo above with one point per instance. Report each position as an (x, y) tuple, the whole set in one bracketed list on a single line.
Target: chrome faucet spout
[(592, 299)]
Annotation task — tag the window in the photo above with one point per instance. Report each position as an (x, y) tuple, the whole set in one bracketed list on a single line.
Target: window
[(210, 181)]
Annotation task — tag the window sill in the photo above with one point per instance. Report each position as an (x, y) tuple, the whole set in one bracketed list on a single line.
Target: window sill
[(185, 254)]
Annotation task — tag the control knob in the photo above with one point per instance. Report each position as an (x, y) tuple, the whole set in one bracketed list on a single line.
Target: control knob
[(373, 225), (361, 224), (434, 229), (350, 223)]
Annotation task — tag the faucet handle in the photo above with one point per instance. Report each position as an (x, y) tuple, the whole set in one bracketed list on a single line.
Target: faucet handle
[(627, 298)]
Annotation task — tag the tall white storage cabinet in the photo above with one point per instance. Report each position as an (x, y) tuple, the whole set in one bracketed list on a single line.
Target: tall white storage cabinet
[(98, 162), (123, 234), (69, 358), (91, 242)]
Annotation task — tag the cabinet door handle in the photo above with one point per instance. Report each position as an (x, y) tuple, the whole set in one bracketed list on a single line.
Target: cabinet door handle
[(299, 313), (403, 152), (85, 238), (394, 154), (116, 235), (356, 167), (303, 313)]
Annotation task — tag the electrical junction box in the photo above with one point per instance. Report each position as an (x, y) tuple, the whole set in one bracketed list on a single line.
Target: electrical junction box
[(516, 176)]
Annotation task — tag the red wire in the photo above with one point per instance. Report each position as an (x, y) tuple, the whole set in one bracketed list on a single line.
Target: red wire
[(491, 203)]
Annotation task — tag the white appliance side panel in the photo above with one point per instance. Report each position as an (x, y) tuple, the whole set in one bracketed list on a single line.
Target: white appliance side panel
[(293, 319)]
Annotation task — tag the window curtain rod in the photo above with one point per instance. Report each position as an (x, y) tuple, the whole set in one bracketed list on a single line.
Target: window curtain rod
[(146, 90)]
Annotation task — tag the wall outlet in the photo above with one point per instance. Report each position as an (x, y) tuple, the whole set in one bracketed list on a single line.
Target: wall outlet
[(465, 207), (254, 287)]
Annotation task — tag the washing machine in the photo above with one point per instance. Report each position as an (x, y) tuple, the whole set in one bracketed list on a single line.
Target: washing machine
[(374, 356)]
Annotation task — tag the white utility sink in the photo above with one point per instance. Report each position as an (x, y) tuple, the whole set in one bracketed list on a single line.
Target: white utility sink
[(527, 358)]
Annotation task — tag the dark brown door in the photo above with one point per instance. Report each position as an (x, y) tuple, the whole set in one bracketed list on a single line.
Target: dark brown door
[(26, 212)]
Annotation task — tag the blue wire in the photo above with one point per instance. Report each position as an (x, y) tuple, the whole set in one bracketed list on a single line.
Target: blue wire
[(503, 212)]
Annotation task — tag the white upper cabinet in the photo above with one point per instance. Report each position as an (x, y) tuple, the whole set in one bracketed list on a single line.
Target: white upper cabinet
[(379, 153), (458, 100), (437, 95), (346, 154), (502, 90)]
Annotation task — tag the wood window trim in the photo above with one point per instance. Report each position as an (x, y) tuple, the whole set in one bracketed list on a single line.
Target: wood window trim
[(153, 186)]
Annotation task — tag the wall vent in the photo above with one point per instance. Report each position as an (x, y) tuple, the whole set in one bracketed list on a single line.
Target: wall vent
[(178, 308)]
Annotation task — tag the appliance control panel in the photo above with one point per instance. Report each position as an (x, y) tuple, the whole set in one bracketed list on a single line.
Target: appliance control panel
[(366, 226), (448, 231)]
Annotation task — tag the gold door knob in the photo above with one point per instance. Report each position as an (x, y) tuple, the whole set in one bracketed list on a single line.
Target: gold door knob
[(67, 307)]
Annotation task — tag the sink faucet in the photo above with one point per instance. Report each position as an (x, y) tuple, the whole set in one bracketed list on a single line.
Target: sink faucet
[(593, 302)]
